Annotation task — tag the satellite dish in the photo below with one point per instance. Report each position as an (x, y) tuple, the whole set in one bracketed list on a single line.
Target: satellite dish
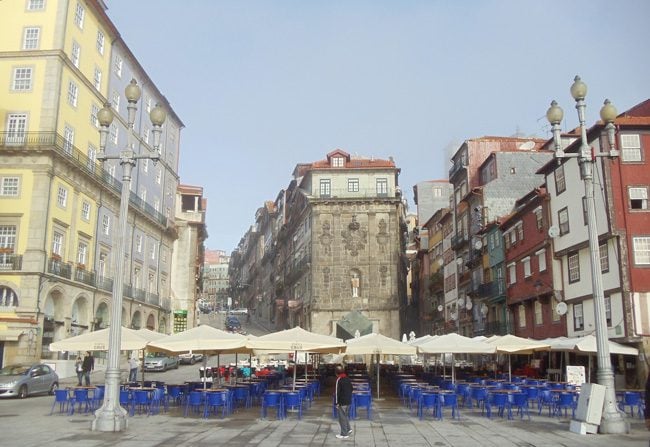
[(460, 302), (478, 245), (440, 307), (469, 305), (484, 309), (553, 231), (561, 308)]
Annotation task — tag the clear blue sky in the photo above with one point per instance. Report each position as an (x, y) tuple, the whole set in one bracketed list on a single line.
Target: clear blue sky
[(263, 85)]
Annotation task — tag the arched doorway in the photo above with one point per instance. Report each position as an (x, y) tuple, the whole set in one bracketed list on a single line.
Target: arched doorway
[(151, 322), (102, 317), (136, 320), (53, 322), (80, 316), (162, 325)]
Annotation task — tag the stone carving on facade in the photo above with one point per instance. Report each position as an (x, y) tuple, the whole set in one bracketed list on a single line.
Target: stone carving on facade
[(354, 237), (326, 237), (383, 275), (382, 235)]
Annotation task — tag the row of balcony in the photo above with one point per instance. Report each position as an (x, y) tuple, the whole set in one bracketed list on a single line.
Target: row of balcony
[(486, 329), (54, 141), (90, 278)]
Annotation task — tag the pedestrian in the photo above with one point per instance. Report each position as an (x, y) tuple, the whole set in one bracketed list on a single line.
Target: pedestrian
[(88, 366), (133, 369), (78, 367), (343, 399)]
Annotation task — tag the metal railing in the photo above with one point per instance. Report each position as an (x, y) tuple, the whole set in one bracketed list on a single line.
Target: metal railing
[(85, 276), (11, 261), (59, 268)]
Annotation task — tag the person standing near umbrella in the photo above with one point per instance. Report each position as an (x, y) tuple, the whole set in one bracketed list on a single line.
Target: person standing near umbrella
[(343, 399), (88, 366), (133, 369)]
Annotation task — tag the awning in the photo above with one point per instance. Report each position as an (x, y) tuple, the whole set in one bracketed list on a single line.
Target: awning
[(10, 334)]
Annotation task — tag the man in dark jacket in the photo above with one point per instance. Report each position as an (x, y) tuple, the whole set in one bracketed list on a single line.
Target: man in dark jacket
[(343, 399), (88, 366)]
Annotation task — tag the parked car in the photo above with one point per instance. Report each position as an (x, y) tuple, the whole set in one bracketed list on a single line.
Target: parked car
[(240, 311), (190, 358), (158, 361), (23, 380), (233, 324)]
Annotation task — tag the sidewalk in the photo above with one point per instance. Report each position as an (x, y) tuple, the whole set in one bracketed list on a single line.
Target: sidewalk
[(27, 423)]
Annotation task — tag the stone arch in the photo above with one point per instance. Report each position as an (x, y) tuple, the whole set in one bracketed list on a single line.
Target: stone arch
[(151, 322), (162, 324), (53, 320), (80, 315), (102, 316), (136, 320), (8, 296)]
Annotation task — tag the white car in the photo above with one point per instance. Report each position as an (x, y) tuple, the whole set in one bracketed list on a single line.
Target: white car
[(190, 357)]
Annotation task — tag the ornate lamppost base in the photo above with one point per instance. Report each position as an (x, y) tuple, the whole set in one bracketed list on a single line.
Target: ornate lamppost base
[(110, 420)]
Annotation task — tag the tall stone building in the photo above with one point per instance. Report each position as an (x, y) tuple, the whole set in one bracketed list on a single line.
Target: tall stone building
[(216, 286), (331, 247)]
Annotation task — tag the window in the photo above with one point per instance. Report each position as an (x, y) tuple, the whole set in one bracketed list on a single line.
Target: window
[(62, 197), (68, 139), (143, 194), (73, 93), (8, 237), (631, 147), (94, 110), (560, 181), (82, 253), (573, 262), (578, 321), (638, 197), (539, 220), (100, 42), (111, 171), (563, 219), (541, 260), (641, 249), (92, 157), (145, 165), (145, 134), (604, 258), (79, 16), (539, 317), (116, 100), (353, 185), (113, 133), (106, 224), (136, 277), (382, 186), (147, 104), (151, 285), (520, 231), (512, 274), (97, 79), (117, 66), (325, 187), (9, 187), (85, 210), (101, 267), (22, 79), (158, 176), (526, 263), (156, 204), (608, 311), (163, 255), (75, 54), (522, 315), (338, 162), (31, 37), (152, 251), (138, 243), (16, 127), (33, 5), (57, 243)]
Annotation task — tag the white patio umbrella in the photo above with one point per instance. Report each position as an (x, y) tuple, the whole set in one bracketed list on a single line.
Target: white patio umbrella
[(98, 341), (205, 339), (297, 339), (511, 344), (454, 343), (378, 344)]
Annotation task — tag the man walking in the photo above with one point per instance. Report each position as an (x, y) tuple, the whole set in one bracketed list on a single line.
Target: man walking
[(133, 369), (88, 366), (343, 399)]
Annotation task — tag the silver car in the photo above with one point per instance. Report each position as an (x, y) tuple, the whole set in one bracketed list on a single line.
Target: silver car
[(157, 361), (23, 380)]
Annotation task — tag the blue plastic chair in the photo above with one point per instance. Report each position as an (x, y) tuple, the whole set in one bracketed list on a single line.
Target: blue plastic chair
[(125, 400), (97, 398), (195, 403), (632, 399), (462, 391), (414, 397), (292, 401), (363, 400), (532, 393), (520, 403), (479, 396), (61, 397), (565, 402), (271, 399), (428, 400), (80, 399), (141, 402), (175, 394), (498, 402), (546, 399), (159, 401), (449, 400), (242, 396), (214, 401)]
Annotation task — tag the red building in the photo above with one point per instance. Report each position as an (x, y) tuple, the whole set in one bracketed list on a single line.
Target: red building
[(532, 294)]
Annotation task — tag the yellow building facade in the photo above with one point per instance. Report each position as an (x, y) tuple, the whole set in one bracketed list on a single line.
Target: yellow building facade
[(55, 61)]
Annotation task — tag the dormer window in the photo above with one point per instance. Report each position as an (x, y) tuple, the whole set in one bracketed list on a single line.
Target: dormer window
[(338, 162)]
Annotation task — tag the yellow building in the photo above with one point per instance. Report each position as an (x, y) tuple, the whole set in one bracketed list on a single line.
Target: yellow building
[(55, 62)]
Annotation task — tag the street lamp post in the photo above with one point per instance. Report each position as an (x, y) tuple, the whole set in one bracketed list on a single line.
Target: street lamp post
[(612, 420), (111, 417)]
